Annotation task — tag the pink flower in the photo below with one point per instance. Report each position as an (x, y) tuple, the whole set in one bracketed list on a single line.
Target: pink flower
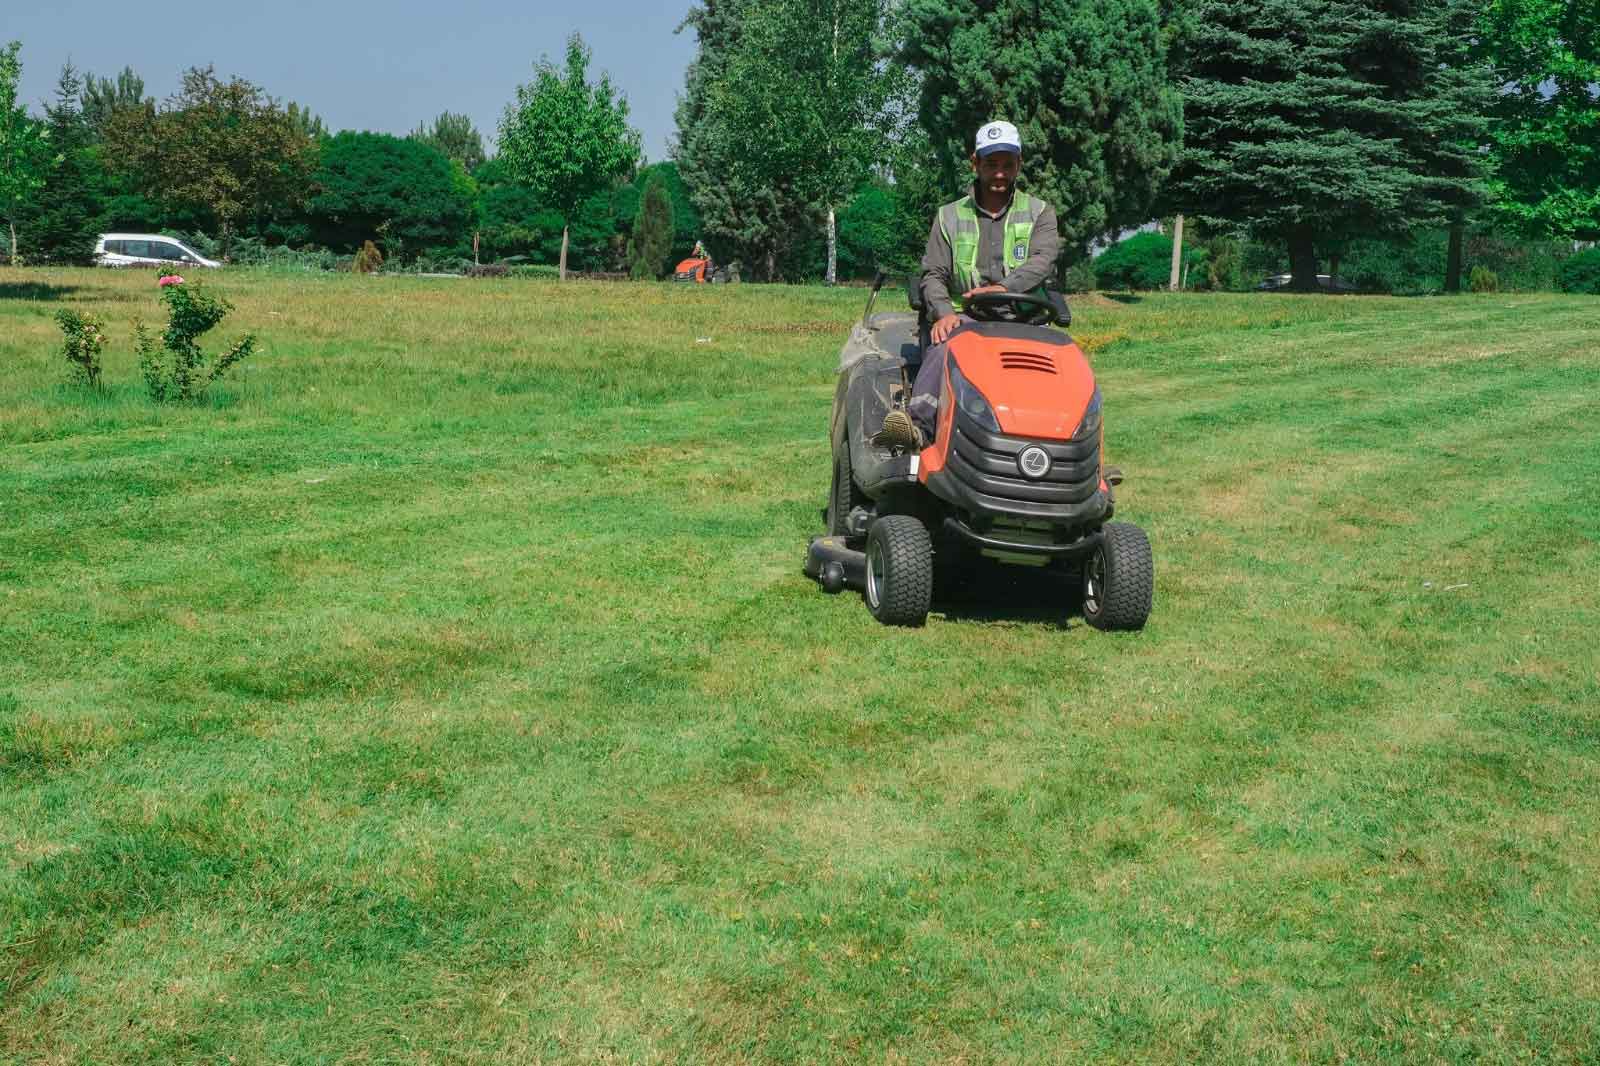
[(169, 279)]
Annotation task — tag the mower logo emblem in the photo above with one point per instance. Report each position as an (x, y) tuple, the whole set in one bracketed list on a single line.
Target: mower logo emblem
[(1034, 462)]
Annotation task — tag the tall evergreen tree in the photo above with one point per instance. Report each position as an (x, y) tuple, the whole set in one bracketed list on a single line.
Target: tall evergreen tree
[(652, 233), (102, 98), (307, 122), (1085, 83), (686, 223), (64, 216), (1307, 123), (455, 137)]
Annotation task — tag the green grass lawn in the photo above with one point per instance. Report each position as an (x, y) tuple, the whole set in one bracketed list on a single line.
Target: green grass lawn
[(444, 689)]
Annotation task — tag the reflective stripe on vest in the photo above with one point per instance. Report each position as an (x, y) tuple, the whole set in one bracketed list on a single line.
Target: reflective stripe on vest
[(959, 223)]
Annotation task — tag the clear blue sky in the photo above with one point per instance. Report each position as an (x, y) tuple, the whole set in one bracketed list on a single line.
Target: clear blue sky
[(362, 64)]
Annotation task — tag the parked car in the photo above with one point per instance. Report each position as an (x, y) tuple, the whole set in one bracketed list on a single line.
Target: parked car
[(1326, 282), (146, 249)]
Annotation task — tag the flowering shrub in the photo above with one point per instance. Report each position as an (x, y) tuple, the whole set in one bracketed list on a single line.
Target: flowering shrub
[(369, 260), (177, 370), (85, 340)]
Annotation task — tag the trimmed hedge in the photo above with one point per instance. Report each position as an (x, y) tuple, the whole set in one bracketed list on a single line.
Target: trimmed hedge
[(1143, 261)]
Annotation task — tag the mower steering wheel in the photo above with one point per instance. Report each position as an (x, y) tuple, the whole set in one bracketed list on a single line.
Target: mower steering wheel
[(1027, 306)]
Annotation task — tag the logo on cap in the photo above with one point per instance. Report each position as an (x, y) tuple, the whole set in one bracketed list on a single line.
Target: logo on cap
[(994, 132)]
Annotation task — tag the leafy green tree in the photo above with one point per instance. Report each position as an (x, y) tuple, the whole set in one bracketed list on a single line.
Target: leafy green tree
[(1086, 84), (805, 111), (63, 219), (513, 223), (103, 98), (735, 222), (567, 139), (1546, 142), (306, 122), (456, 137), (1310, 123), (868, 235), (1581, 273), (652, 234), (24, 146), (223, 146), (402, 193)]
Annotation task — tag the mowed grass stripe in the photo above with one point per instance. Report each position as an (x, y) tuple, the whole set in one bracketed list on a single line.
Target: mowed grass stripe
[(520, 737)]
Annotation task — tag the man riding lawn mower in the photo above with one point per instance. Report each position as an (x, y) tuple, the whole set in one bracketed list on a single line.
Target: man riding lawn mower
[(996, 449)]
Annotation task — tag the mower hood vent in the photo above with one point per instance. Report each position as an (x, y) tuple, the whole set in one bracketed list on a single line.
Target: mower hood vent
[(1040, 361)]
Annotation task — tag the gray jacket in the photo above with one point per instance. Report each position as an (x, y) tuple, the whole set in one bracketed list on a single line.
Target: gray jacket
[(938, 261)]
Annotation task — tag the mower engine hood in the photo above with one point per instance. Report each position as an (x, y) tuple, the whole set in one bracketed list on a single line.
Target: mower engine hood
[(1037, 389)]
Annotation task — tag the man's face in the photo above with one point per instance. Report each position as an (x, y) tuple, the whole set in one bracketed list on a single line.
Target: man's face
[(997, 172)]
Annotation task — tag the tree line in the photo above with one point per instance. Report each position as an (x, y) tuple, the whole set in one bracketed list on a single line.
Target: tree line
[(815, 138)]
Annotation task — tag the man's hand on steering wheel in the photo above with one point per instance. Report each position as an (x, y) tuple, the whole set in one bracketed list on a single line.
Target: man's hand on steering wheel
[(970, 293), (947, 325)]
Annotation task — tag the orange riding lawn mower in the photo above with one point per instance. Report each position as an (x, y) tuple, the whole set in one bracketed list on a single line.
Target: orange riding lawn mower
[(699, 269), (1014, 476)]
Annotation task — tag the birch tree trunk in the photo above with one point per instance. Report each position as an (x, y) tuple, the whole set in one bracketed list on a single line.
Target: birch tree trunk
[(564, 231), (1177, 254), (833, 249), (13, 260)]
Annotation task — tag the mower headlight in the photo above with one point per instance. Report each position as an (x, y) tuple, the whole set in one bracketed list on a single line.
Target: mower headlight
[(971, 401), (1090, 426)]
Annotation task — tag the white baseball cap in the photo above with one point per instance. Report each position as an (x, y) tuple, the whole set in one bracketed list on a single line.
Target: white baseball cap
[(998, 137)]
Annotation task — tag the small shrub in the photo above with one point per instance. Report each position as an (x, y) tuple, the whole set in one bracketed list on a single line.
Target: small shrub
[(1483, 280), (368, 260), (1079, 278), (85, 339), (177, 370), (1224, 265), (1522, 264), (1580, 272)]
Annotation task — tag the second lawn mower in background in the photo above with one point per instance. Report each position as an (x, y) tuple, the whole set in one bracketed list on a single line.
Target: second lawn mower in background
[(698, 269)]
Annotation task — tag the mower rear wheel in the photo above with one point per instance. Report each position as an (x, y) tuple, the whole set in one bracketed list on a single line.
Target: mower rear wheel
[(899, 571), (1119, 579), (845, 496)]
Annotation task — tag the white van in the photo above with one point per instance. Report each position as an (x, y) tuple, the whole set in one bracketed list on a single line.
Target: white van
[(146, 249)]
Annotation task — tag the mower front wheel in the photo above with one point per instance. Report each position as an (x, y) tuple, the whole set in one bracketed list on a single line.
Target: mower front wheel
[(845, 495), (1119, 579), (899, 571)]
